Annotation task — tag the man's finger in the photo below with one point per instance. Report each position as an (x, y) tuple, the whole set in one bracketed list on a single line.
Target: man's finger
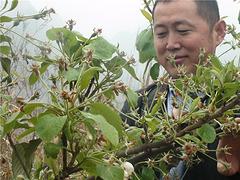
[(228, 156)]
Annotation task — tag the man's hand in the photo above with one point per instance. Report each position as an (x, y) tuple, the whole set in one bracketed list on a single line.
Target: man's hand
[(228, 162)]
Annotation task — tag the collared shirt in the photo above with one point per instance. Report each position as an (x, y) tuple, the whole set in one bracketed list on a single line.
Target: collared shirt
[(171, 97)]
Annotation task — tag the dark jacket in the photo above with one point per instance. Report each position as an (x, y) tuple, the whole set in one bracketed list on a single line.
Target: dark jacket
[(207, 168)]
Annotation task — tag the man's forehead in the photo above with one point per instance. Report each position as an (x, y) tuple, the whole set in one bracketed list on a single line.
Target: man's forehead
[(175, 7)]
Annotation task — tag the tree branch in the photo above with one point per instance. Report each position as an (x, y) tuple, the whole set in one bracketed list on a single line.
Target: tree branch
[(168, 143), (154, 152), (147, 6), (208, 117)]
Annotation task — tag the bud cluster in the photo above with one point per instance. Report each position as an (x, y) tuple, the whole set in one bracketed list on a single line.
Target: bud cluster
[(119, 87)]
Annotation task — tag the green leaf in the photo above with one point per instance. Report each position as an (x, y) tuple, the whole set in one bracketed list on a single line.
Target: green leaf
[(87, 76), (52, 150), (49, 125), (53, 98), (148, 173), (11, 123), (61, 34), (6, 97), (42, 59), (109, 94), (132, 98), (152, 124), (4, 38), (25, 133), (14, 5), (147, 15), (53, 164), (6, 64), (156, 106), (24, 153), (90, 165), (33, 78), (145, 46), (72, 74), (179, 84), (30, 107), (216, 63), (154, 71), (67, 38), (194, 104), (1, 131), (131, 71), (5, 50), (207, 133), (230, 89), (163, 166), (101, 48), (5, 19), (134, 134), (217, 76), (7, 79), (44, 67), (117, 63), (107, 129), (192, 138), (109, 172), (111, 116), (81, 156), (80, 37), (230, 71)]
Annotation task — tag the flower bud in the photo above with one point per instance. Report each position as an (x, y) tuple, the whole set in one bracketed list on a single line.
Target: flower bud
[(128, 169)]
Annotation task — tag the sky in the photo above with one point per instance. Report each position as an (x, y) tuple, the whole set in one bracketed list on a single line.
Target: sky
[(120, 20)]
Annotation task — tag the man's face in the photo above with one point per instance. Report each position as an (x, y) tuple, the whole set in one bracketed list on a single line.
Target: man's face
[(180, 32)]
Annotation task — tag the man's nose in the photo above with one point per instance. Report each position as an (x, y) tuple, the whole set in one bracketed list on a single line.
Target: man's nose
[(173, 42)]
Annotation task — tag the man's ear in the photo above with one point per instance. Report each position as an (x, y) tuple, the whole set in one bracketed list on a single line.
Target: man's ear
[(219, 31)]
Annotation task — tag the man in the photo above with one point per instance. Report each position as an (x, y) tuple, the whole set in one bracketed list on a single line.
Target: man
[(181, 28)]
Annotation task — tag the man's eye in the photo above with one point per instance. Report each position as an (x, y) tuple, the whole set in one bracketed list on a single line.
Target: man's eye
[(183, 31), (161, 34)]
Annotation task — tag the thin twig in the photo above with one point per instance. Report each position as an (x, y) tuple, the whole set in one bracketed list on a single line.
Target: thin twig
[(147, 6)]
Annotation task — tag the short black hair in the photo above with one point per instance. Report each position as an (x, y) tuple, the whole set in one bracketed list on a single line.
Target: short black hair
[(207, 9)]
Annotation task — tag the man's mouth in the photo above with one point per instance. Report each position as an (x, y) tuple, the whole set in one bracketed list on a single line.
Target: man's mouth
[(176, 59), (179, 60)]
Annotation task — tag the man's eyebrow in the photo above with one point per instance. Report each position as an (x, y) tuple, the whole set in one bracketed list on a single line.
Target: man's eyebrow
[(183, 22), (158, 26), (176, 23)]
